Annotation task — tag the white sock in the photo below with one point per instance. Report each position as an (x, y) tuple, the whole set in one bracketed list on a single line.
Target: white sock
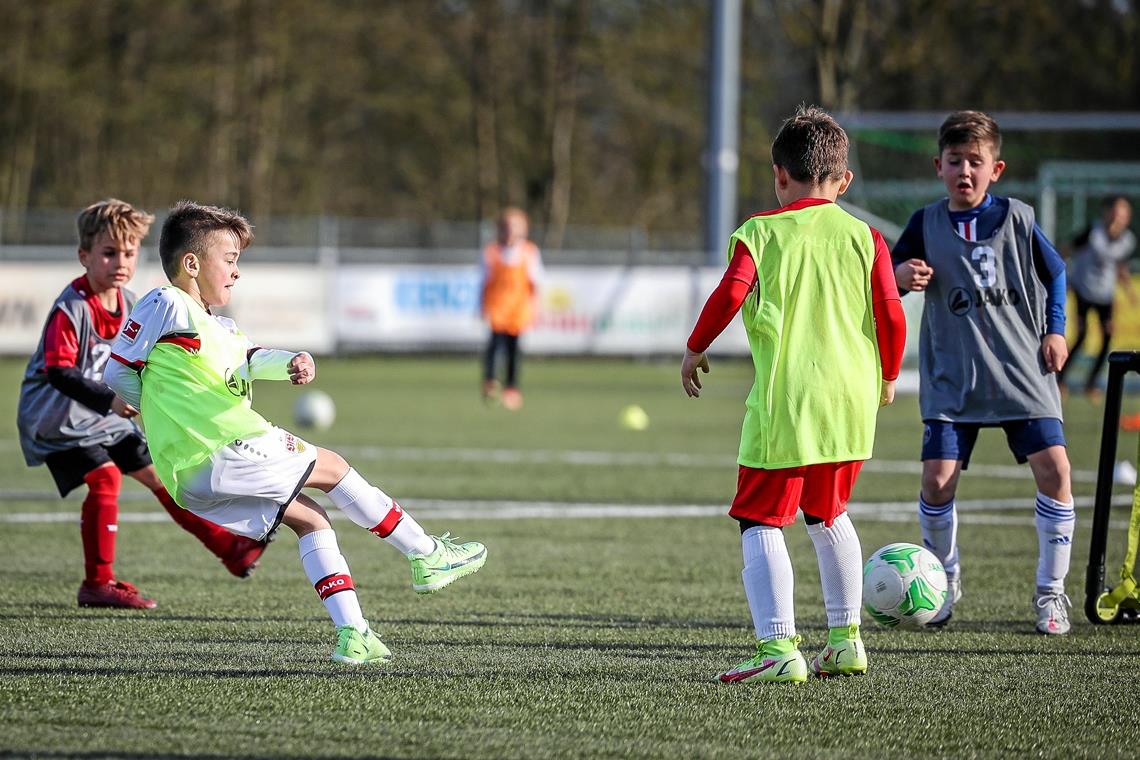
[(768, 582), (840, 570), (328, 572), (939, 524), (376, 511), (1055, 522)]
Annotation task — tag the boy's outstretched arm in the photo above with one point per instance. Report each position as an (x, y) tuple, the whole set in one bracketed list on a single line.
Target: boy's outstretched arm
[(298, 368), (718, 311)]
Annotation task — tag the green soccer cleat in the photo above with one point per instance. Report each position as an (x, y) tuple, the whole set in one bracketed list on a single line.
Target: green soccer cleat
[(356, 648), (844, 654), (448, 563), (776, 661)]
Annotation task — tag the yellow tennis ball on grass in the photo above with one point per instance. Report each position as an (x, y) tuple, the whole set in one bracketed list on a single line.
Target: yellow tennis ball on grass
[(633, 417)]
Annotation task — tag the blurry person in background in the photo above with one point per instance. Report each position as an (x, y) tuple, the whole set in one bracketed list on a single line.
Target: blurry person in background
[(512, 273), (1100, 261)]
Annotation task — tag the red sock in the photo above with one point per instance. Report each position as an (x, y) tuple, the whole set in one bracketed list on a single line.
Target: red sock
[(98, 523), (217, 539)]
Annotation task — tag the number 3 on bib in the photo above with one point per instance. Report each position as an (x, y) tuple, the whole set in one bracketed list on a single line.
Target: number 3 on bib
[(984, 258)]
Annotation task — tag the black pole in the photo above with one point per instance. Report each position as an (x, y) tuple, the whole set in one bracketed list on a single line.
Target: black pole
[(1119, 363)]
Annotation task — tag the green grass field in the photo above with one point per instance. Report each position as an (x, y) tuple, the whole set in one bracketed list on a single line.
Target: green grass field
[(585, 635)]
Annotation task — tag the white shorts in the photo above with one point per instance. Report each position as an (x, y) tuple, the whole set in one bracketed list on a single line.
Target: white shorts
[(245, 487)]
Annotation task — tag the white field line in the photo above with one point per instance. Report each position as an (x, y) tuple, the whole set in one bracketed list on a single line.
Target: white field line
[(593, 458), (888, 511)]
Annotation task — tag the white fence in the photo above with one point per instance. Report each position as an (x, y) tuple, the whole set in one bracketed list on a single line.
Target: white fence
[(640, 311)]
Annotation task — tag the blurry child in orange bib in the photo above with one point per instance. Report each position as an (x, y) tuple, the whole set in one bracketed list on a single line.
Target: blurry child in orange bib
[(512, 272)]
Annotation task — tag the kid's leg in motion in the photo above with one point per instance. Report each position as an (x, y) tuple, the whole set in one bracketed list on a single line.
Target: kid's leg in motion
[(490, 356), (840, 559), (238, 553), (99, 529), (1055, 520), (1104, 314), (328, 571), (512, 396), (436, 561), (946, 449), (767, 575)]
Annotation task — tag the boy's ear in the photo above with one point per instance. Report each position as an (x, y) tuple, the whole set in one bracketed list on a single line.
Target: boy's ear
[(190, 263), (845, 183), (999, 167), (782, 176)]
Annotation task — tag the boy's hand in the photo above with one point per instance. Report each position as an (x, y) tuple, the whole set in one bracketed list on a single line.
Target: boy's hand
[(689, 365), (302, 369), (913, 275), (887, 393), (123, 409), (1055, 351)]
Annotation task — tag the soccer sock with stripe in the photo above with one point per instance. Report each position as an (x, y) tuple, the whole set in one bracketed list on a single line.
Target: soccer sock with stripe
[(327, 570), (939, 525), (98, 523), (1055, 522), (840, 561), (768, 582), (376, 511)]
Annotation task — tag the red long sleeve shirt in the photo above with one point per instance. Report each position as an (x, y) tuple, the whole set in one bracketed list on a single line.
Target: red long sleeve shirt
[(740, 277)]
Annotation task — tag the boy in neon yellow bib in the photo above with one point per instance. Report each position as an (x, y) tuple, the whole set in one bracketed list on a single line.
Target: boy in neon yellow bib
[(191, 372), (826, 330)]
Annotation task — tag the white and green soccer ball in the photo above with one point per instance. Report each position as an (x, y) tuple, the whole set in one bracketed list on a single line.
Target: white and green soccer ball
[(904, 586)]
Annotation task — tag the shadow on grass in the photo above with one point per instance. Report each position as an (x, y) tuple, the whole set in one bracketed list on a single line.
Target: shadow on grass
[(39, 753)]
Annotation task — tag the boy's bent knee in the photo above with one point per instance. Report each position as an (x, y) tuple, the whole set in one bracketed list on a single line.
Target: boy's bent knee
[(329, 469), (939, 484)]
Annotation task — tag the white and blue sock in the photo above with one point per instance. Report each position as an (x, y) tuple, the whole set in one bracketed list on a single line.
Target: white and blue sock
[(768, 582), (1055, 522), (939, 525), (840, 570)]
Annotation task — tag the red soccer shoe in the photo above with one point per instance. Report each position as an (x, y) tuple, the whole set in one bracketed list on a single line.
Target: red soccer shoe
[(243, 557), (113, 594)]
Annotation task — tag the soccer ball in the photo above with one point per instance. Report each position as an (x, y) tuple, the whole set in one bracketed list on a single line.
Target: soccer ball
[(904, 586), (314, 409)]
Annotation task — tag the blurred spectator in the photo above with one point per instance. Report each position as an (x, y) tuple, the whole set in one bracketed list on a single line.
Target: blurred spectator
[(512, 271), (1100, 260)]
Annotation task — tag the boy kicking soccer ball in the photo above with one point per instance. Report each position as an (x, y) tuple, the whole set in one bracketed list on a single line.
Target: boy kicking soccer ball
[(191, 374), (827, 331)]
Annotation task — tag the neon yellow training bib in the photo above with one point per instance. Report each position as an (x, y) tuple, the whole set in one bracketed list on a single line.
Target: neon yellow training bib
[(811, 329), (197, 395)]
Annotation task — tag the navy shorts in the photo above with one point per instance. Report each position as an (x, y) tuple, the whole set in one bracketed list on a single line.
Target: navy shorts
[(955, 440)]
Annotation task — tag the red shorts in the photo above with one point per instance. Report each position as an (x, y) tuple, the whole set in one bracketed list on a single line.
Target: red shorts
[(771, 497)]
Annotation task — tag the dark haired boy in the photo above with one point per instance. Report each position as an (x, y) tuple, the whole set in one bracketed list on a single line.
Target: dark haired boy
[(993, 334), (191, 374), (72, 422), (826, 330)]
